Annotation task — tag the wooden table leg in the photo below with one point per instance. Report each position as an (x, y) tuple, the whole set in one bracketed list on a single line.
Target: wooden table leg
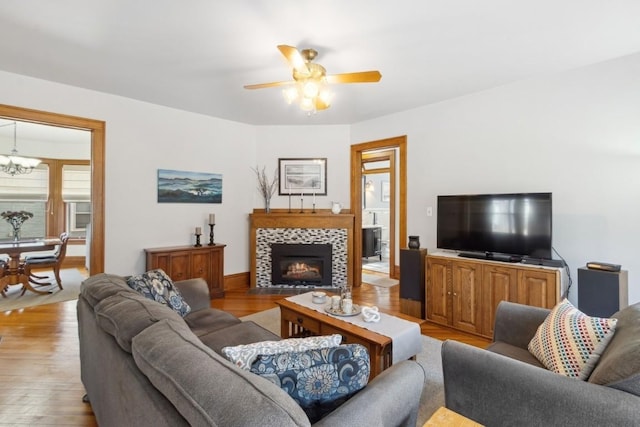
[(26, 285)]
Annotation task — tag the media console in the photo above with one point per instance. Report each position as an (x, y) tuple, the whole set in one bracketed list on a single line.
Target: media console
[(464, 293)]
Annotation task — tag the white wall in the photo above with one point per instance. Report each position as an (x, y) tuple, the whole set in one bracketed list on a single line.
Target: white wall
[(576, 134), (140, 139), (332, 142)]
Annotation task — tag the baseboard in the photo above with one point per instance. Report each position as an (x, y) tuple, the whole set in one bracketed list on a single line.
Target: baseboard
[(73, 262), (236, 281)]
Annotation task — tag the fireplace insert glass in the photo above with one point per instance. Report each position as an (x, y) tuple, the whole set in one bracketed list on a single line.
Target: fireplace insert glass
[(301, 264)]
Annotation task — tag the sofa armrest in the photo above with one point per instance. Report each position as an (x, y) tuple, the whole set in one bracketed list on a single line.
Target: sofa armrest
[(516, 324), (498, 391), (391, 399), (195, 292)]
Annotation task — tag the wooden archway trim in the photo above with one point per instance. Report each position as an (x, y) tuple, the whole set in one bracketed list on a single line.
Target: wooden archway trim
[(357, 150), (97, 129)]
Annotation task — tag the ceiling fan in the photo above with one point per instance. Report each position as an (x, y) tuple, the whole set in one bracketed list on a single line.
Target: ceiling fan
[(310, 80)]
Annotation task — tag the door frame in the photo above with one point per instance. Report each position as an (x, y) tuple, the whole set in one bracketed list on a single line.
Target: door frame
[(398, 196), (97, 129)]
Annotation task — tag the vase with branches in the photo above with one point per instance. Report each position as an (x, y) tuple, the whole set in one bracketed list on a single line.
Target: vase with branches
[(16, 219), (266, 187)]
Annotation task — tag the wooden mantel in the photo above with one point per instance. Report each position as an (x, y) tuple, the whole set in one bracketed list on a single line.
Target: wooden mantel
[(283, 219)]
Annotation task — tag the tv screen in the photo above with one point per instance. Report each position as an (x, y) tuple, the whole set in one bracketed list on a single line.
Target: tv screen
[(513, 224)]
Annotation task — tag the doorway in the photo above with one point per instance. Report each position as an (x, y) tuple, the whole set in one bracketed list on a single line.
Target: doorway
[(386, 156), (97, 128), (378, 219)]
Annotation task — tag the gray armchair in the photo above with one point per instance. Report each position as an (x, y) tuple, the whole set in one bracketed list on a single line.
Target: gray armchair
[(505, 385)]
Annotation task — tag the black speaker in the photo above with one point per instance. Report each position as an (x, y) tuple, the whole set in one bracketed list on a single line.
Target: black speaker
[(412, 274), (602, 293)]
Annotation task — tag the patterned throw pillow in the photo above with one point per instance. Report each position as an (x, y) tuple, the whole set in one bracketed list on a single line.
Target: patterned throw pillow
[(244, 355), (569, 342), (157, 286), (318, 380)]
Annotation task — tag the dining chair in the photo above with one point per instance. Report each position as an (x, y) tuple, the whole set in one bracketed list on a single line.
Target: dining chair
[(47, 261)]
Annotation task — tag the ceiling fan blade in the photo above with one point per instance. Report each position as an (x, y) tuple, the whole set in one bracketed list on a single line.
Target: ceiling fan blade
[(272, 84), (360, 77), (320, 104), (294, 58)]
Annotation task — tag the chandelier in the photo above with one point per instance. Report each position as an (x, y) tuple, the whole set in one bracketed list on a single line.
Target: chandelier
[(14, 164)]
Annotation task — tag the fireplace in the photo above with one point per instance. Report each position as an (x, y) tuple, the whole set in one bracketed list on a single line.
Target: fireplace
[(301, 264)]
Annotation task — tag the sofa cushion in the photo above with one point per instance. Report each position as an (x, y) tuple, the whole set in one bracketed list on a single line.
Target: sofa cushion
[(569, 342), (125, 314), (241, 333), (157, 286), (103, 285), (207, 320), (515, 352), (206, 388), (244, 355), (319, 380), (621, 360)]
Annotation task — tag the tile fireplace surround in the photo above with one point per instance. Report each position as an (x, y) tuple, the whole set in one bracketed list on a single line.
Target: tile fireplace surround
[(307, 227)]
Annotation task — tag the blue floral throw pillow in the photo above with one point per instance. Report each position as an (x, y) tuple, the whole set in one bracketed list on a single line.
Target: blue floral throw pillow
[(157, 286), (318, 380)]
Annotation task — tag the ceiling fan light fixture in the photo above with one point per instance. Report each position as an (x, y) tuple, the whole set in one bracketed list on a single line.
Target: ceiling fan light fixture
[(307, 104), (310, 80), (310, 88), (290, 94)]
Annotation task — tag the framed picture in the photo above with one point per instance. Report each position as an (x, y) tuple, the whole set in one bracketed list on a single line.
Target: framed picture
[(385, 191), (189, 187), (302, 176)]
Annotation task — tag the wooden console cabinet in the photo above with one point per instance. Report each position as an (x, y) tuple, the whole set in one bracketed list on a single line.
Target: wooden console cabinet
[(190, 262), (464, 294)]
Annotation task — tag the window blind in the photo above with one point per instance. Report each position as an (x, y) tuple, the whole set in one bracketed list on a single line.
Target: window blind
[(31, 187), (76, 183)]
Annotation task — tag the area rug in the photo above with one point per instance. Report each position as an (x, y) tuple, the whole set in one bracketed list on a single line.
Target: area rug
[(383, 282), (429, 358), (71, 280)]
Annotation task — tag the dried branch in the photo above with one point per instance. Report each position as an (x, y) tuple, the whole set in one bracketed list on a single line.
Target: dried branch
[(266, 187)]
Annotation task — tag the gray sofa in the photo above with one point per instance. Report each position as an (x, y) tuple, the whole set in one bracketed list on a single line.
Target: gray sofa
[(505, 385), (142, 364)]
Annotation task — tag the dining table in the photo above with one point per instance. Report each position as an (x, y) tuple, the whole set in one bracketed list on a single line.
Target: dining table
[(14, 273)]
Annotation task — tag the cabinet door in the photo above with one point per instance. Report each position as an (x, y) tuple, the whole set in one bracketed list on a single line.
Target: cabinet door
[(437, 291), (180, 266), (539, 288), (467, 279), (201, 265), (498, 284)]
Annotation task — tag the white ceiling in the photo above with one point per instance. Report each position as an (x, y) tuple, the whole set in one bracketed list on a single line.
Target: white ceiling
[(196, 55)]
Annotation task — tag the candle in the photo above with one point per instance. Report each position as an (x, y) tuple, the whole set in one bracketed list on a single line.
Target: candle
[(198, 230), (212, 218)]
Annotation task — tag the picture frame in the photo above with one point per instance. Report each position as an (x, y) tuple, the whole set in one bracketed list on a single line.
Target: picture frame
[(189, 187), (385, 191), (302, 176)]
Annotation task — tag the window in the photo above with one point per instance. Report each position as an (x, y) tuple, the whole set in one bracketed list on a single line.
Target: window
[(76, 195), (29, 193), (57, 192)]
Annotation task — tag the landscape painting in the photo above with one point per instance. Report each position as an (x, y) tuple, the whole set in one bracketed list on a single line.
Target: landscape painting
[(189, 187)]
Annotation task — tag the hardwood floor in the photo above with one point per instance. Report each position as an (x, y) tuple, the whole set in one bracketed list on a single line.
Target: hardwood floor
[(39, 362)]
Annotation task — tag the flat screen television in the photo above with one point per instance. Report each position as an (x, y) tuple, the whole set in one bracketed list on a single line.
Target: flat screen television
[(490, 225)]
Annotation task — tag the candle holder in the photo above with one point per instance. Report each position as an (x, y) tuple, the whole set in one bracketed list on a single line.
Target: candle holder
[(289, 202), (301, 203), (211, 234), (197, 245), (314, 208)]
